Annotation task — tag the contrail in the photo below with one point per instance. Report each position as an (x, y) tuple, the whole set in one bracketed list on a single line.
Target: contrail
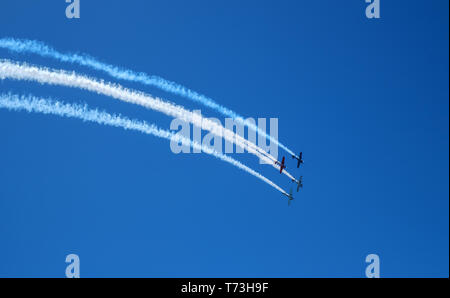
[(47, 106), (43, 75), (39, 48)]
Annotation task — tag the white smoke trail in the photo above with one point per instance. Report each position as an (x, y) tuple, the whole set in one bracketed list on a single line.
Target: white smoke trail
[(39, 48), (43, 75), (47, 106)]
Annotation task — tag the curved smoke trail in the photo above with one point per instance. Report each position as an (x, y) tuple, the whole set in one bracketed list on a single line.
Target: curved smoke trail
[(39, 48), (47, 106), (24, 71)]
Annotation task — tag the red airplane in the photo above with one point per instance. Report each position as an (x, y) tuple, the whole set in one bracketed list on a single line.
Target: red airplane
[(281, 164)]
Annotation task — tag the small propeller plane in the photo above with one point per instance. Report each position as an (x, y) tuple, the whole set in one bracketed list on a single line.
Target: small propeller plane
[(299, 158), (289, 196), (299, 182), (281, 164)]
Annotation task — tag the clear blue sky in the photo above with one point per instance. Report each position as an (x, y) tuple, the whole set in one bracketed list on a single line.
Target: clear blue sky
[(367, 101)]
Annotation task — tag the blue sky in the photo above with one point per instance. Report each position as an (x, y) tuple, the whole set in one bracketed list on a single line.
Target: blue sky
[(365, 100)]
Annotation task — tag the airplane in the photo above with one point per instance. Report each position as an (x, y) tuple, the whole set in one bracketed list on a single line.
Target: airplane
[(290, 197), (281, 164), (299, 158), (299, 182)]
